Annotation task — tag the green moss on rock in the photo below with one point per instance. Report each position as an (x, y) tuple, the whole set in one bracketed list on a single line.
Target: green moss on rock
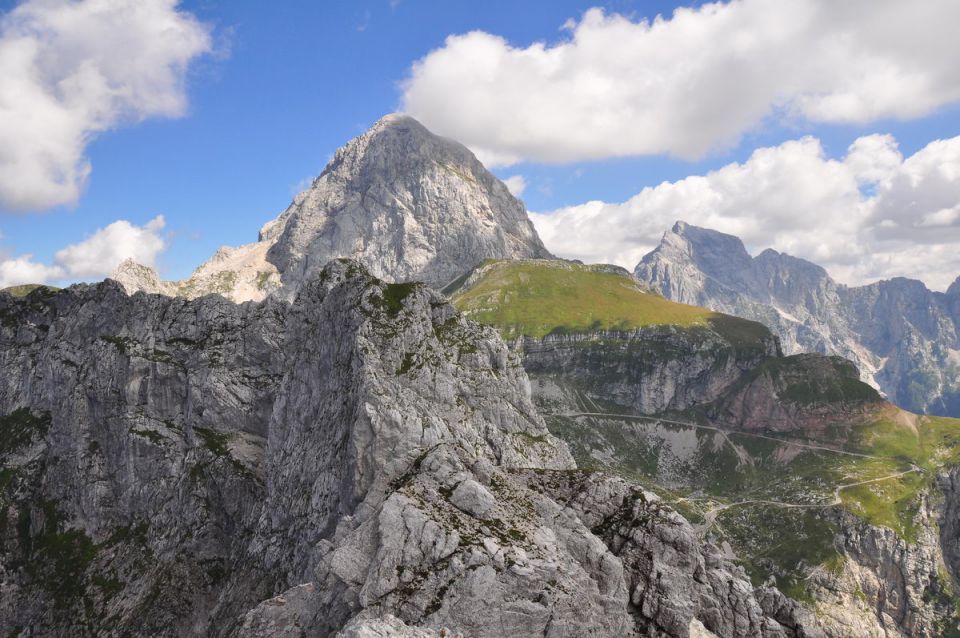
[(20, 427)]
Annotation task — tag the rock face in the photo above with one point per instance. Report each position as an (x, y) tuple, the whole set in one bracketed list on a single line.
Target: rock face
[(649, 371), (239, 274), (903, 337), (888, 586), (802, 393), (407, 204), (362, 460), (669, 370)]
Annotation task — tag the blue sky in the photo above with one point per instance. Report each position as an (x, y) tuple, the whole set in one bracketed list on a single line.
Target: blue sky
[(289, 82)]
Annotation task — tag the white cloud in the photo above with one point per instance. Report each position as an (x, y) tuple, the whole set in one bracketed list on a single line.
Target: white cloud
[(72, 70), (23, 270), (869, 216), (516, 184), (100, 253), (93, 258), (691, 83), (873, 158)]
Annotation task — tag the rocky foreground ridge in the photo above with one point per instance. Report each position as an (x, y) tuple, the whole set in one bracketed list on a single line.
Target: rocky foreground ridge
[(359, 459), (407, 204), (904, 338)]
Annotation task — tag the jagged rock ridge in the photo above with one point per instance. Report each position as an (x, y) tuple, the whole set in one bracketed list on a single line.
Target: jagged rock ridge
[(407, 204), (902, 336), (364, 456)]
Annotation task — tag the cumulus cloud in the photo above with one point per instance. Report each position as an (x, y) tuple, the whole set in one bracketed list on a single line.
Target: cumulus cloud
[(869, 215), (688, 84), (74, 69), (93, 258), (516, 184), (24, 270), (100, 253)]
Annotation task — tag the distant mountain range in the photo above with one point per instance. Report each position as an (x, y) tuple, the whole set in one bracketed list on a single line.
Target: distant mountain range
[(904, 337)]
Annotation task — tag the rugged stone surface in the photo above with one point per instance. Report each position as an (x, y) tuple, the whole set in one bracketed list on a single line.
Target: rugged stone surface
[(903, 337), (648, 371), (887, 586), (802, 393), (949, 520), (711, 372), (676, 582), (388, 627), (132, 460), (407, 204), (239, 274), (176, 467)]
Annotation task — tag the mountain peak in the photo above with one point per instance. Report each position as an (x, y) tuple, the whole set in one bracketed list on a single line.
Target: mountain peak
[(134, 276), (954, 289), (395, 144), (898, 332), (407, 204), (391, 118), (709, 249)]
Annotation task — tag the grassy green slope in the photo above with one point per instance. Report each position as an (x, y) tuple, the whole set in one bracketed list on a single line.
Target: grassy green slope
[(25, 289), (538, 298)]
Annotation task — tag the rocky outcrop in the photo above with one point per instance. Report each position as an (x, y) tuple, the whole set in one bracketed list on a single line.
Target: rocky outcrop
[(648, 371), (902, 336), (359, 460), (806, 392), (676, 582), (389, 627), (949, 523), (713, 372), (407, 204), (887, 586), (239, 274)]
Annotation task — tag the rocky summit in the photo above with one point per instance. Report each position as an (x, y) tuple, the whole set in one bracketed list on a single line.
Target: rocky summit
[(904, 338), (406, 203)]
